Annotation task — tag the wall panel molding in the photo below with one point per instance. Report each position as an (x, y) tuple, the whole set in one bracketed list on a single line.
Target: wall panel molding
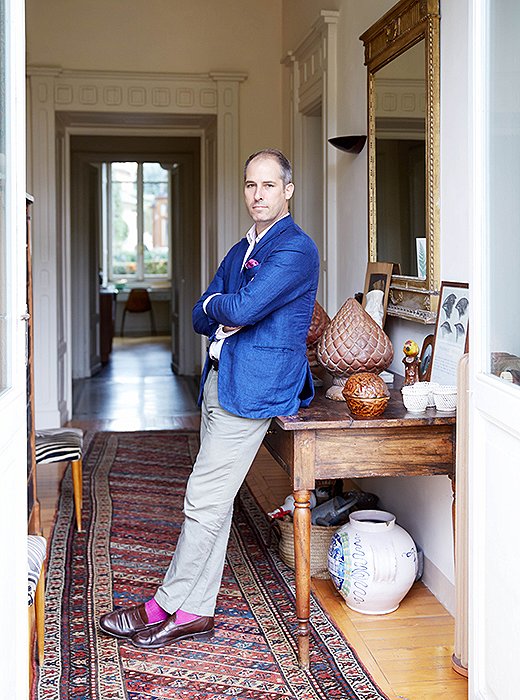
[(313, 86), (110, 98)]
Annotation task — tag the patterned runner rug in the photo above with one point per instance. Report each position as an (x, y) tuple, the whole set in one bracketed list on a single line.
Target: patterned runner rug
[(133, 492)]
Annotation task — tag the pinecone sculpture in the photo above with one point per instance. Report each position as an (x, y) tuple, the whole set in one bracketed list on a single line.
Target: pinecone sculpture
[(353, 342), (320, 320)]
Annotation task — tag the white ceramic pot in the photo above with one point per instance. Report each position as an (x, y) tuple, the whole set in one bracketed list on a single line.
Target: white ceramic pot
[(372, 562)]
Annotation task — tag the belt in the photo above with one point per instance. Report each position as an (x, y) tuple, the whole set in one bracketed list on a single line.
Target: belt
[(214, 364)]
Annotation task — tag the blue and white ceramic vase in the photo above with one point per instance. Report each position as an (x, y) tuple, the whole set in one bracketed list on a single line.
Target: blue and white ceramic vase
[(372, 562)]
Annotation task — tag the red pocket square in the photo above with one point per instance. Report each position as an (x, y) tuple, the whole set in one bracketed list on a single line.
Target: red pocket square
[(251, 263)]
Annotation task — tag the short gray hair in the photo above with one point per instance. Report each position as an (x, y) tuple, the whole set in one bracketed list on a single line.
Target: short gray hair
[(283, 162)]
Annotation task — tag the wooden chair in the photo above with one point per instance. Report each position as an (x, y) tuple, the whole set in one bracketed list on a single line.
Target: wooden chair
[(36, 553), (64, 445), (138, 302)]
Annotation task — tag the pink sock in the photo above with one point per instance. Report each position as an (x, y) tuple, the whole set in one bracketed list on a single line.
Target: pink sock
[(182, 618), (154, 612)]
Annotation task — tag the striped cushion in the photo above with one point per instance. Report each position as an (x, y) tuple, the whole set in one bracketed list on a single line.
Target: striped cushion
[(36, 550), (58, 445)]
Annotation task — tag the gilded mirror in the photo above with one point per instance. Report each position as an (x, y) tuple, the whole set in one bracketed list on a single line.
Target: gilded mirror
[(402, 57)]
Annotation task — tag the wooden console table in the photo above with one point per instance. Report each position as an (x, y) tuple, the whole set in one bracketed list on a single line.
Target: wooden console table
[(325, 442)]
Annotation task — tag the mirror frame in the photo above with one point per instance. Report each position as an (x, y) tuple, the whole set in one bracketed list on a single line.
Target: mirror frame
[(403, 26)]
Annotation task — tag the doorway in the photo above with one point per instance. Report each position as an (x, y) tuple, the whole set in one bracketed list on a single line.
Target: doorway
[(173, 295), (65, 103)]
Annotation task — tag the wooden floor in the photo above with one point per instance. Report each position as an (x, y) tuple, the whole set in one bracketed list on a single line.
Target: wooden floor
[(408, 653)]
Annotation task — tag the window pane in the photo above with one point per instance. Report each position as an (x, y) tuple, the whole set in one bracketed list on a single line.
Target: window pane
[(504, 186), (3, 231), (154, 172), (124, 219), (155, 219)]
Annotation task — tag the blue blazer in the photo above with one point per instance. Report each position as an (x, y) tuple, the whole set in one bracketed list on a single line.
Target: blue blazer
[(263, 369)]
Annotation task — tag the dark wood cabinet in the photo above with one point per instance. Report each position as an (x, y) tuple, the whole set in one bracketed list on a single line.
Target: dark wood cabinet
[(107, 320)]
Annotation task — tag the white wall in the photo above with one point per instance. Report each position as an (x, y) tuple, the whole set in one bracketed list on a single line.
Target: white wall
[(422, 504), (203, 36), (141, 38), (165, 36)]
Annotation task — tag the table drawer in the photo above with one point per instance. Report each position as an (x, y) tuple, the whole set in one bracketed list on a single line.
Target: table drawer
[(423, 451)]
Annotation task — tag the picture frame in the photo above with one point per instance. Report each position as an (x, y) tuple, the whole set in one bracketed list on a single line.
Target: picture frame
[(451, 332), (377, 278), (425, 366)]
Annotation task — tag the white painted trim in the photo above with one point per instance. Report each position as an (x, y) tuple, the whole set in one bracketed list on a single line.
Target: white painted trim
[(498, 402), (53, 90), (477, 496), (228, 169), (13, 400), (42, 160), (434, 579), (66, 413), (313, 67)]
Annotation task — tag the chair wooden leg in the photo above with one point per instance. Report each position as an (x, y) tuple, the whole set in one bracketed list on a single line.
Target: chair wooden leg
[(77, 484), (31, 643), (39, 610)]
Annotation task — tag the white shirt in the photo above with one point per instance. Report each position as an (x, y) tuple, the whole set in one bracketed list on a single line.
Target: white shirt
[(216, 346)]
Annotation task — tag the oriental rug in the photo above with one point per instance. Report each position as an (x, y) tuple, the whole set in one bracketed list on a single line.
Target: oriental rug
[(133, 486)]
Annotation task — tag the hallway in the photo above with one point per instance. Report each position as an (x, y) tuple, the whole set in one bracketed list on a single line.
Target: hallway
[(408, 653), (136, 390)]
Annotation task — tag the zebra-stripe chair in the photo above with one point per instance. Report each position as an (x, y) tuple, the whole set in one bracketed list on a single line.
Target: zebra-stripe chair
[(64, 445), (36, 551)]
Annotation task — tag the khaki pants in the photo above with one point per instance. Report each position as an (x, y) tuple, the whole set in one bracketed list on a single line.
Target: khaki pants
[(228, 445)]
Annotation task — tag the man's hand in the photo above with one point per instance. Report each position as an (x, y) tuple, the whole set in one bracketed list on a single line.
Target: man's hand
[(231, 329)]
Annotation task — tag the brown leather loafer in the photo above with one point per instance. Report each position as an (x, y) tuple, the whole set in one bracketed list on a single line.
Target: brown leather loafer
[(168, 632), (126, 622)]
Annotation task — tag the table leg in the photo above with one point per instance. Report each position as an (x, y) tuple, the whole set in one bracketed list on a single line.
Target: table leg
[(302, 561)]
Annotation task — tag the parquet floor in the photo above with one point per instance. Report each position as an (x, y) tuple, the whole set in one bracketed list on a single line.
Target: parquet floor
[(408, 652)]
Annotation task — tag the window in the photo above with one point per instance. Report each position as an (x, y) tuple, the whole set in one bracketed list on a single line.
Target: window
[(138, 223)]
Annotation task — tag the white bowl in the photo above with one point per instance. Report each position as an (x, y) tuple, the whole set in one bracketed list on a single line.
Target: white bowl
[(445, 398), (415, 397), (431, 388), (419, 388)]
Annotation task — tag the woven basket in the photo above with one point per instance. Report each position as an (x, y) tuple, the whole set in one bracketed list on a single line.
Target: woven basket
[(320, 541)]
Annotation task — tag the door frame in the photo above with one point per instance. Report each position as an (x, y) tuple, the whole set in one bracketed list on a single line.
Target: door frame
[(188, 252), (162, 100), (13, 399)]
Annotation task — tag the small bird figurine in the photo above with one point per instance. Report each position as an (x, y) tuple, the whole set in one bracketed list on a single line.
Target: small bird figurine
[(410, 348), (411, 362)]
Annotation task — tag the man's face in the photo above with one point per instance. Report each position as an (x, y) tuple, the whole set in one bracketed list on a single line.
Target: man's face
[(266, 197)]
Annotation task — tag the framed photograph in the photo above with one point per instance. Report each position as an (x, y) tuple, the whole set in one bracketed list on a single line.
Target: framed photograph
[(425, 366), (377, 287), (451, 332)]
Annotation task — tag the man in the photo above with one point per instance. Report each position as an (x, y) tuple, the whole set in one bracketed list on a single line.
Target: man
[(256, 313)]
